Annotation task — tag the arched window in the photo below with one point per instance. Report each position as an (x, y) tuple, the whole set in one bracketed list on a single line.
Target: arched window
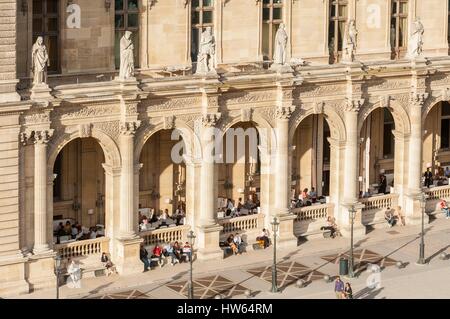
[(201, 18), (399, 27), (272, 16), (46, 24), (126, 18), (336, 30)]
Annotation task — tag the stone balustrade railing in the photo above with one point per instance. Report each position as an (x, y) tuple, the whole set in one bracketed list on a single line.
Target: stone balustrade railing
[(314, 212), (83, 247), (380, 202), (242, 223), (165, 235)]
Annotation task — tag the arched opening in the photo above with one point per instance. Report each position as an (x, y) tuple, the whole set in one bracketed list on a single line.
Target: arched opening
[(162, 183), (436, 145), (311, 161), (239, 171), (376, 153), (79, 191)]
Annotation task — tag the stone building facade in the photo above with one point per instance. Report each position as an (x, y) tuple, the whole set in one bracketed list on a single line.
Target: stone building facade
[(96, 149)]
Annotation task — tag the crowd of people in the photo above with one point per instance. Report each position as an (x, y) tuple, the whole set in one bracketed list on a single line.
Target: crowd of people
[(235, 244), (177, 252), (439, 178), (232, 209), (306, 198), (162, 218), (75, 231)]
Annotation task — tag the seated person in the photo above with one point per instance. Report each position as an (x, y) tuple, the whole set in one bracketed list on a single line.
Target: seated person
[(143, 255), (187, 250), (240, 205), (331, 226), (179, 214), (177, 250), (299, 203), (231, 244), (93, 233), (154, 217), (60, 230), (74, 231), (144, 225), (264, 236), (389, 217), (443, 205), (312, 194), (168, 251), (239, 243), (157, 253), (228, 212), (107, 264), (68, 228)]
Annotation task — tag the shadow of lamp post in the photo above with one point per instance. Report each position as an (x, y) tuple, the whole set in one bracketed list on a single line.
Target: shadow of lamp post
[(57, 273), (191, 238), (275, 225), (352, 212)]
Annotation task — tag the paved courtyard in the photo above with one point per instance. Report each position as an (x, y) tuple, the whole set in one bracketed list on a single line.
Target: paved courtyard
[(230, 278)]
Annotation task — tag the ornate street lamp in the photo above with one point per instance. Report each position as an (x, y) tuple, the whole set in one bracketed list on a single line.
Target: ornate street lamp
[(57, 273), (423, 202), (352, 212), (275, 225), (191, 238)]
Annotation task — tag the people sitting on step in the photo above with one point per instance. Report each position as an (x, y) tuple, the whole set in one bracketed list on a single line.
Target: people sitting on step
[(232, 244), (157, 253), (239, 243), (389, 217), (445, 209), (107, 263)]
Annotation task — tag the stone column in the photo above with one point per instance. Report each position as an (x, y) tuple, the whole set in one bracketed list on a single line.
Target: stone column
[(127, 209), (282, 179), (41, 139), (128, 242), (413, 208), (208, 229), (350, 184)]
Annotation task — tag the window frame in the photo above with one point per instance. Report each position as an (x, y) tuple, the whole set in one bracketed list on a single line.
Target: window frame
[(398, 51), (271, 23), (44, 16), (125, 11), (200, 27), (336, 54)]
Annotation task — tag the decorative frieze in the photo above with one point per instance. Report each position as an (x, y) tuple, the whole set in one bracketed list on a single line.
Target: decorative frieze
[(36, 136), (111, 128), (418, 99), (173, 103), (243, 97), (86, 112), (323, 90), (37, 118), (85, 130)]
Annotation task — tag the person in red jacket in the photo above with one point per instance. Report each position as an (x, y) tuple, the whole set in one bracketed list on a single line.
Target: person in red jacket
[(157, 253)]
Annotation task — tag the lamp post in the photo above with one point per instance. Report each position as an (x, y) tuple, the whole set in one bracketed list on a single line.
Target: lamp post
[(275, 224), (352, 212), (191, 238), (57, 273), (421, 260)]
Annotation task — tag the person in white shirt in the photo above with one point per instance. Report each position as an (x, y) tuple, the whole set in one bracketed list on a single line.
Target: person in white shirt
[(93, 233), (74, 271), (239, 243), (264, 237)]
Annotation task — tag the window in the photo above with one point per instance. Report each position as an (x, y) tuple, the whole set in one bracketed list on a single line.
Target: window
[(336, 28), (272, 16), (326, 143), (399, 27), (388, 138), (46, 24), (445, 125), (201, 18), (126, 18)]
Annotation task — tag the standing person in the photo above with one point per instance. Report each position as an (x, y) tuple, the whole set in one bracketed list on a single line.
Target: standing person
[(143, 255), (313, 195), (383, 184), (428, 177), (339, 288), (348, 292)]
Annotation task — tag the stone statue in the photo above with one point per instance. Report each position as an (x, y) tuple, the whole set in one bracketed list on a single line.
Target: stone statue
[(350, 41), (207, 50), (281, 38), (126, 57), (415, 39), (40, 61)]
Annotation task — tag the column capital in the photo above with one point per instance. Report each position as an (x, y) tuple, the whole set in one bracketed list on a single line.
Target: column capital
[(137, 167), (129, 127), (210, 119), (111, 171), (353, 105), (418, 99), (284, 112), (36, 136)]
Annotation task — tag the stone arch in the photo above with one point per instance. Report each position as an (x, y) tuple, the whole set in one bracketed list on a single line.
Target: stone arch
[(431, 102), (109, 147), (333, 119), (144, 134), (401, 117)]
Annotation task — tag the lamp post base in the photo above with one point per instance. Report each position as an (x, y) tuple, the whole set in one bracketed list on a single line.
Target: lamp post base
[(421, 262)]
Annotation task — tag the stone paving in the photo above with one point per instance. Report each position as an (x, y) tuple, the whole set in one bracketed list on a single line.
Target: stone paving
[(309, 261)]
